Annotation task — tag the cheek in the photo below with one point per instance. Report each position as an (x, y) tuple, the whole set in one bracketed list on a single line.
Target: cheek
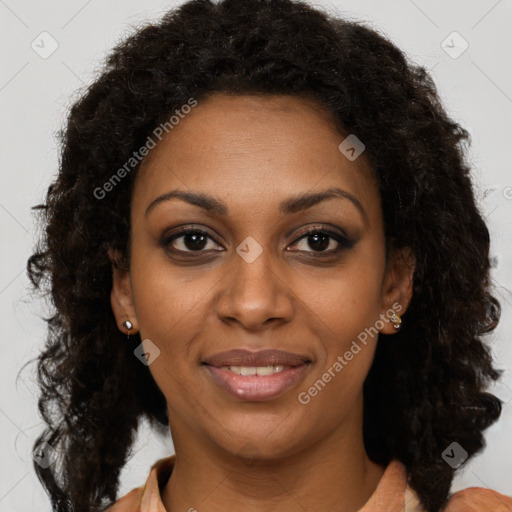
[(347, 340), (343, 317), (169, 305), (346, 300), (165, 295), (344, 307), (170, 312)]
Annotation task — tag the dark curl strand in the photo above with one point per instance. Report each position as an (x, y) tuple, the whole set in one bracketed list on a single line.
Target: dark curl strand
[(425, 389)]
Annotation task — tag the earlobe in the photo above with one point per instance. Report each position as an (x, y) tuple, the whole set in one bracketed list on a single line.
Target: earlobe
[(121, 299)]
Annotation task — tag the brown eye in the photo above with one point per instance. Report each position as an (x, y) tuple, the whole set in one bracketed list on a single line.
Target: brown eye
[(322, 241), (189, 240), (318, 241)]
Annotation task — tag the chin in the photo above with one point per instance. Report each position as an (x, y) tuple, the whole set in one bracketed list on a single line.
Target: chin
[(267, 440)]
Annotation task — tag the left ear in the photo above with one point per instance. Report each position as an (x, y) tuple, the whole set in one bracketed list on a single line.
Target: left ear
[(397, 286)]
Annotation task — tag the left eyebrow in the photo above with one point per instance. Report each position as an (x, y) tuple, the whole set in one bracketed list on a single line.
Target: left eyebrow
[(305, 201), (288, 206)]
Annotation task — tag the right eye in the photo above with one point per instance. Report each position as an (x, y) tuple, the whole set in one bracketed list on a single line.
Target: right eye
[(189, 240)]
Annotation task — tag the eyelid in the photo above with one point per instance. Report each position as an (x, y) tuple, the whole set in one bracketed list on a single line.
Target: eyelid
[(324, 228)]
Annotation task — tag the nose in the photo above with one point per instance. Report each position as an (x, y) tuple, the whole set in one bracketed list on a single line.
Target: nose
[(255, 294)]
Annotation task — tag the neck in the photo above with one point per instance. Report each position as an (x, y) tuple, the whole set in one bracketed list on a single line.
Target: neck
[(333, 475)]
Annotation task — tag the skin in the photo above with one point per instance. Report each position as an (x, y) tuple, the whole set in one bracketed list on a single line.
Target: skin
[(252, 153)]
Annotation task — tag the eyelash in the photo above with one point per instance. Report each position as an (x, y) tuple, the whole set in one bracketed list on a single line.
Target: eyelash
[(343, 241)]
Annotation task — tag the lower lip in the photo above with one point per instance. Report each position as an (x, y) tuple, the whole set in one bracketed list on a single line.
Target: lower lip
[(257, 388)]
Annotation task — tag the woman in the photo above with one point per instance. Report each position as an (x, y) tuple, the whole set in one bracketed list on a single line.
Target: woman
[(263, 236)]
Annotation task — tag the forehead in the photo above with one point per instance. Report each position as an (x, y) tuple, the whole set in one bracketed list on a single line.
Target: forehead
[(252, 150)]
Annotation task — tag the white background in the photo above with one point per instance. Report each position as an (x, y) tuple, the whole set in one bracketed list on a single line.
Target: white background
[(35, 93)]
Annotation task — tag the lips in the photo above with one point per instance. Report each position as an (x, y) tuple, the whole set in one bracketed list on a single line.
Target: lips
[(238, 372), (268, 357)]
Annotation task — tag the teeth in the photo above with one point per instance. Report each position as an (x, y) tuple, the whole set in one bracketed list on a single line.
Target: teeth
[(267, 370), (255, 370)]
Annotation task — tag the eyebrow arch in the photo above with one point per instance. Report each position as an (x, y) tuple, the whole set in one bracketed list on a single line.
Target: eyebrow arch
[(288, 206)]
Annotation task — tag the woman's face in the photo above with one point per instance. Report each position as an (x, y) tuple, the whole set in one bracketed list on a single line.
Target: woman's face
[(255, 174)]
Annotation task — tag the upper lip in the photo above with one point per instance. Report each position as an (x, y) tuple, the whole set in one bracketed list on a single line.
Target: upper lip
[(266, 357)]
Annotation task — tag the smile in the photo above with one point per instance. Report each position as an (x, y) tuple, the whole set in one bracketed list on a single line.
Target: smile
[(256, 376), (255, 370)]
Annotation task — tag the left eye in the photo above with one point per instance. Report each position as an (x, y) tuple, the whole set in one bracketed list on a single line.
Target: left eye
[(319, 241)]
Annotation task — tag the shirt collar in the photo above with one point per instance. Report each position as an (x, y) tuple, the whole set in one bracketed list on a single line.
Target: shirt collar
[(391, 495)]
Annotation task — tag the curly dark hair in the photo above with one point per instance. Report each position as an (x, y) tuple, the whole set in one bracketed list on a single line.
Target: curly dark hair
[(94, 391)]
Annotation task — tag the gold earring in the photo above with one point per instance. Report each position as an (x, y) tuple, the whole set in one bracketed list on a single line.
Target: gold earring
[(396, 320)]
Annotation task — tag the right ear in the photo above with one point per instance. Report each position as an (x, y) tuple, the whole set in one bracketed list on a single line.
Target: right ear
[(121, 296)]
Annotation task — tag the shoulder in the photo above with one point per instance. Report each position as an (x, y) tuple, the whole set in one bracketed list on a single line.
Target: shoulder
[(129, 502), (478, 499)]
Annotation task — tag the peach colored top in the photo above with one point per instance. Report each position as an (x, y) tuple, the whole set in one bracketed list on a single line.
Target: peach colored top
[(391, 495)]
